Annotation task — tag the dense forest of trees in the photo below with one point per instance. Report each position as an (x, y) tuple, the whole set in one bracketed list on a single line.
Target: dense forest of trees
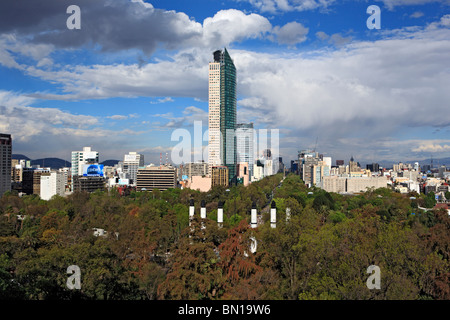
[(151, 252)]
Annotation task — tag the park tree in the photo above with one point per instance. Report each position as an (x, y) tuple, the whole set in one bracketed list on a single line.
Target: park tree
[(281, 246), (194, 273), (245, 279)]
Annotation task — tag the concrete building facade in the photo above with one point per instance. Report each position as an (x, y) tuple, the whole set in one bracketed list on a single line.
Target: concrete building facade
[(245, 148), (131, 163), (88, 184), (352, 184), (156, 177), (31, 180), (219, 176), (52, 184), (80, 158)]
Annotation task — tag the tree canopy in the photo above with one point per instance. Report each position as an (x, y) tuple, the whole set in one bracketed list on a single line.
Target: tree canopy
[(144, 245)]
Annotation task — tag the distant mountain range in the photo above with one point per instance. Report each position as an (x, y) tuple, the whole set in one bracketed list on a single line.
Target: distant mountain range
[(436, 162), (110, 163), (56, 163)]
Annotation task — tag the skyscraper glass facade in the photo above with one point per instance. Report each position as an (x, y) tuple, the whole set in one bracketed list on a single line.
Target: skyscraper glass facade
[(227, 112)]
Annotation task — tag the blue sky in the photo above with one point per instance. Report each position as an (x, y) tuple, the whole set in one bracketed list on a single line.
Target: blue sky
[(136, 71)]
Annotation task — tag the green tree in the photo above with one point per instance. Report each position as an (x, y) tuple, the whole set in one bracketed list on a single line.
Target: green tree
[(281, 246), (430, 200)]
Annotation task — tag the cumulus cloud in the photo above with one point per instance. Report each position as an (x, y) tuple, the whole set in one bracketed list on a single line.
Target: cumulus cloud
[(118, 25), (417, 14), (26, 123), (280, 6), (113, 25), (274, 6), (31, 127), (335, 39), (162, 100), (291, 33), (118, 117), (322, 35), (361, 81), (432, 147), (232, 25), (162, 78), (445, 21), (358, 88), (358, 83)]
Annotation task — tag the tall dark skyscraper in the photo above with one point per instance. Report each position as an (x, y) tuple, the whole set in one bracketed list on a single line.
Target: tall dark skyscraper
[(5, 163), (222, 112)]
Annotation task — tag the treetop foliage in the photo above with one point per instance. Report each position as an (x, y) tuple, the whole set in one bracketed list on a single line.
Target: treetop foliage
[(146, 247)]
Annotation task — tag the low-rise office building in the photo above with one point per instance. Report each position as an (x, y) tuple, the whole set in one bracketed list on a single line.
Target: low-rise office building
[(156, 177)]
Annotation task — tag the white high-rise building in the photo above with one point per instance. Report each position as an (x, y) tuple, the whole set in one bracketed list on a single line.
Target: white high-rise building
[(65, 173), (52, 184), (245, 145), (214, 144), (80, 158), (131, 163), (327, 161)]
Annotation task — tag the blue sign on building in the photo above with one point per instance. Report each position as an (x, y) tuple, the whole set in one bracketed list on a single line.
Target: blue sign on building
[(93, 170)]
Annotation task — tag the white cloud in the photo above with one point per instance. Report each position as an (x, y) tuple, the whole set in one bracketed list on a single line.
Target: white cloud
[(335, 39), (162, 100), (291, 33), (123, 117), (322, 35), (274, 6), (277, 6), (445, 21), (362, 81), (432, 147), (343, 90), (190, 114), (417, 14), (360, 88), (391, 4), (162, 78), (118, 117), (231, 25), (33, 127), (10, 99)]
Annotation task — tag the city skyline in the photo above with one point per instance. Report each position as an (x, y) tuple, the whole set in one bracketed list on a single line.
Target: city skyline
[(311, 69)]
